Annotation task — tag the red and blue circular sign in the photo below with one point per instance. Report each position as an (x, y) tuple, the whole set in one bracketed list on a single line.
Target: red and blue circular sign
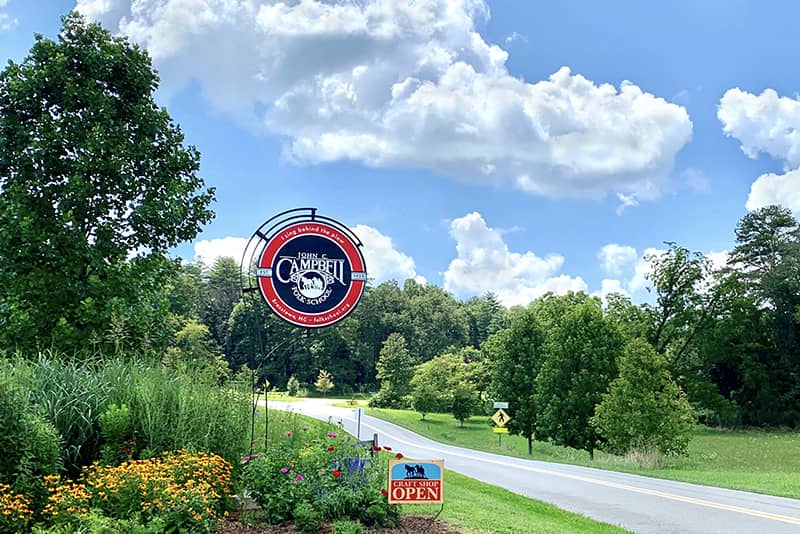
[(311, 274)]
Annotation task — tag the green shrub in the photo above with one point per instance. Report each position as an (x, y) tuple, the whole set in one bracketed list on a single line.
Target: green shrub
[(306, 518), (29, 443), (337, 478), (344, 526), (292, 386), (381, 514), (644, 408), (71, 396), (95, 522), (273, 483), (116, 425)]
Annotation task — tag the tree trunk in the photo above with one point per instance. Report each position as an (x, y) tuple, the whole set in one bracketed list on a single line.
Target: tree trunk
[(530, 444), (591, 453)]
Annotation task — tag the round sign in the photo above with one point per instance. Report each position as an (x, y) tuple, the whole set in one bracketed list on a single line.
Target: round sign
[(311, 274)]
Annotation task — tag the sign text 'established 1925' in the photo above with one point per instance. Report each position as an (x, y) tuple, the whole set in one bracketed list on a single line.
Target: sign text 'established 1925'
[(310, 271)]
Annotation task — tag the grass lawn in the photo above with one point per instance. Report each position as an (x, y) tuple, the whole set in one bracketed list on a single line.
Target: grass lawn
[(752, 460), (470, 505), (280, 396), (479, 508)]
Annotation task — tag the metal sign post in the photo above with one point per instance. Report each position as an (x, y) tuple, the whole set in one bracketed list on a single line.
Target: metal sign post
[(359, 411), (501, 419), (308, 268)]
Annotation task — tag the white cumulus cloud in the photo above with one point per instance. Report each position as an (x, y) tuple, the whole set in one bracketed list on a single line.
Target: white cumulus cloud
[(411, 83), (7, 22), (208, 250), (782, 189), (384, 261), (616, 259), (608, 286), (485, 263), (770, 124)]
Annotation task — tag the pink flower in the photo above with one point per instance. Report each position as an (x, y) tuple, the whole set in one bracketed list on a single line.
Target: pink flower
[(246, 459), (299, 477), (331, 435), (253, 442), (284, 470), (288, 433)]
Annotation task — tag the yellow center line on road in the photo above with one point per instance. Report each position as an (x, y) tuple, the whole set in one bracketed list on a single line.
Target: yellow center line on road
[(627, 487)]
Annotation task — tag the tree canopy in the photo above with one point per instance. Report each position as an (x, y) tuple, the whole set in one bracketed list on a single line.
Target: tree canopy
[(96, 185)]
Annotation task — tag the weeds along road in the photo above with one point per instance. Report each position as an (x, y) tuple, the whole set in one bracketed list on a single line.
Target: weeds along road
[(637, 503)]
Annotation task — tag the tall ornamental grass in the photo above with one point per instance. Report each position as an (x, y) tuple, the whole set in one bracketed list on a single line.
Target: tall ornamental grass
[(184, 408), (167, 408)]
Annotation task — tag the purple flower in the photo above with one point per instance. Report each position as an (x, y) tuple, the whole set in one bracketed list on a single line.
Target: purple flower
[(246, 459), (331, 435), (253, 442), (284, 470), (299, 477)]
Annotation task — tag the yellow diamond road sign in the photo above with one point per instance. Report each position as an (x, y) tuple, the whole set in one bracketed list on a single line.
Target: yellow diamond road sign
[(501, 418)]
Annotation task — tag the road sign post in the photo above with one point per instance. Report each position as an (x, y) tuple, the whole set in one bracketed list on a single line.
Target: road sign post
[(359, 411), (501, 419)]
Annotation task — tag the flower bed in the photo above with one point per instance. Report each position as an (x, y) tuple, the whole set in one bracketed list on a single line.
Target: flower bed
[(311, 480), (180, 492)]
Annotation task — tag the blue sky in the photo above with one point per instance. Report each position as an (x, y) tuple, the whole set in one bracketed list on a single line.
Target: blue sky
[(510, 146)]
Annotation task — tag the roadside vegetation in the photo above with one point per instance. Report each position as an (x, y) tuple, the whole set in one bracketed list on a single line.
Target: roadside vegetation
[(752, 460), (471, 506), (123, 369)]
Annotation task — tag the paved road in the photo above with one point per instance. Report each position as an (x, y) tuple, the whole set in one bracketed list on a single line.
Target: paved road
[(637, 503)]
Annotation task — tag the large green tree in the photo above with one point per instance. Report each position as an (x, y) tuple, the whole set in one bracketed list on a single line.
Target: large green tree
[(221, 291), (395, 370), (96, 185), (580, 360), (766, 260), (644, 407), (516, 355)]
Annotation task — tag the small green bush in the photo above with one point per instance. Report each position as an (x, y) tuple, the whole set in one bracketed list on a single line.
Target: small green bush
[(381, 514), (306, 518), (344, 526), (337, 478), (116, 425), (30, 444), (292, 386)]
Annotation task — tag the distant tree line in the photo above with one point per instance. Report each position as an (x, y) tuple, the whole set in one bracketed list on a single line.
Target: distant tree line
[(97, 184)]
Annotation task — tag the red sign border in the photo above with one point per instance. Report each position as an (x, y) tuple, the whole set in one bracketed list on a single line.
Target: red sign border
[(440, 463), (338, 237)]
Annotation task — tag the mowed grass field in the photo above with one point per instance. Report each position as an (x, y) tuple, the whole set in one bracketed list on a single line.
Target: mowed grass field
[(478, 508), (752, 460), (472, 506)]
